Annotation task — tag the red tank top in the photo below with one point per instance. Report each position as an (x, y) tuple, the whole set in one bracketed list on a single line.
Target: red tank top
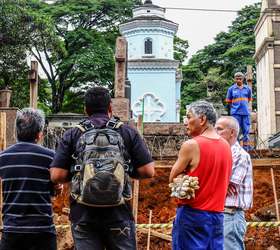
[(213, 172)]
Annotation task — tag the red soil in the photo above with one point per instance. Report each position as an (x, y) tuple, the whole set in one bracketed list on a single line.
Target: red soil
[(154, 195)]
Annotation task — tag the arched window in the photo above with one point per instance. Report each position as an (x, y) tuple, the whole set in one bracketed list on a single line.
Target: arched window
[(148, 46)]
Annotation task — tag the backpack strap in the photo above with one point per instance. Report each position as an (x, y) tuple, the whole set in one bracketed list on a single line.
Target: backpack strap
[(114, 123), (85, 125)]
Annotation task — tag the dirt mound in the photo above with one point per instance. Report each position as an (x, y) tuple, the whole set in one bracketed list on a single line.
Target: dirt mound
[(154, 195)]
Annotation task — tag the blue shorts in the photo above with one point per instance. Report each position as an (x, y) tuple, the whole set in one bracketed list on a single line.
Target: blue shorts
[(197, 230)]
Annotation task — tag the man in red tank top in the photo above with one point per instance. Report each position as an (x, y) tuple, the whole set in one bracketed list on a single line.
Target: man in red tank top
[(199, 220)]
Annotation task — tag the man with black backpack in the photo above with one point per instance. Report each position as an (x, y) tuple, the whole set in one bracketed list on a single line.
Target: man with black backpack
[(97, 156)]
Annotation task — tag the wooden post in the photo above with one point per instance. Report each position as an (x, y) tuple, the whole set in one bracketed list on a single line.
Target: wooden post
[(275, 197), (3, 131), (249, 79), (3, 144), (120, 67), (33, 83), (149, 231), (136, 182), (135, 199)]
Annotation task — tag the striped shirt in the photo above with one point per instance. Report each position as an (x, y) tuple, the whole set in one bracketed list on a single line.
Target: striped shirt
[(24, 169), (241, 179)]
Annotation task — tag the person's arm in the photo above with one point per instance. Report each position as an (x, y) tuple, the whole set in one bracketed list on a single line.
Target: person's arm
[(60, 166), (146, 171), (250, 98), (141, 165), (59, 175), (184, 159), (229, 100), (241, 165)]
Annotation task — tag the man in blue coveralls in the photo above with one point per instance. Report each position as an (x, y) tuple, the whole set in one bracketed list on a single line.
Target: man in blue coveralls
[(238, 98)]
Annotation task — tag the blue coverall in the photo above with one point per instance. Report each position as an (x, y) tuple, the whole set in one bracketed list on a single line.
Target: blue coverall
[(239, 98)]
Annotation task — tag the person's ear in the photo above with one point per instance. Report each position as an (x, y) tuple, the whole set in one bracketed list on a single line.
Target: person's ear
[(39, 137), (203, 120), (110, 110), (235, 134), (88, 111)]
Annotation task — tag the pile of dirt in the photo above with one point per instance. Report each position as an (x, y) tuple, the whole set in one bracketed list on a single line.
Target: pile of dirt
[(155, 195), (262, 238)]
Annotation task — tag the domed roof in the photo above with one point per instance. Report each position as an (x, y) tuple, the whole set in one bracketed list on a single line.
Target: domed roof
[(149, 3), (144, 14)]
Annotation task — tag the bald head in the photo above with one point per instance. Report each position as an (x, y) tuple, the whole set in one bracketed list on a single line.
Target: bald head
[(228, 128), (231, 122)]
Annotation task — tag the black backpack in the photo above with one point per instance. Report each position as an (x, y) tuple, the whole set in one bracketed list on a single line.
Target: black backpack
[(100, 176)]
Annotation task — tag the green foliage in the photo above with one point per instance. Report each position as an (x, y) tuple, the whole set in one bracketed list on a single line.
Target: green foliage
[(74, 102), (12, 44), (218, 82), (232, 51), (192, 86), (72, 40), (80, 43), (180, 49)]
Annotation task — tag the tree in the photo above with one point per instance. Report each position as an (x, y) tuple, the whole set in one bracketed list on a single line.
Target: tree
[(192, 86), (74, 41), (232, 51), (215, 82), (180, 49), (12, 45)]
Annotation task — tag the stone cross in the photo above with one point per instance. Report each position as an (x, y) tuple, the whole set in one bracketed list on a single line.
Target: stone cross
[(33, 82), (120, 102), (120, 68)]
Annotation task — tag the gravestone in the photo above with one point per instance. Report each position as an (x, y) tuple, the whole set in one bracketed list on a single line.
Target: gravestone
[(10, 127)]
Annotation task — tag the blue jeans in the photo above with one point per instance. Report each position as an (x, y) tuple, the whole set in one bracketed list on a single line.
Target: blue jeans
[(114, 236), (234, 230), (197, 230)]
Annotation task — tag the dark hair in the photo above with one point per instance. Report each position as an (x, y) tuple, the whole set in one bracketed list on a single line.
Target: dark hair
[(29, 122), (97, 100)]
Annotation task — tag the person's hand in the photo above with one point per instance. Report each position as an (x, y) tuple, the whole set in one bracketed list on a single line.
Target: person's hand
[(57, 188)]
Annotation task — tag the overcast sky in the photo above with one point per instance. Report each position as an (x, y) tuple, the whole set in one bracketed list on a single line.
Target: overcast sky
[(198, 27)]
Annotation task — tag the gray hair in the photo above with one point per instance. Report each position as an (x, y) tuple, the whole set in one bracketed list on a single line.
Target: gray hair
[(29, 122), (232, 123), (200, 108), (239, 74)]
